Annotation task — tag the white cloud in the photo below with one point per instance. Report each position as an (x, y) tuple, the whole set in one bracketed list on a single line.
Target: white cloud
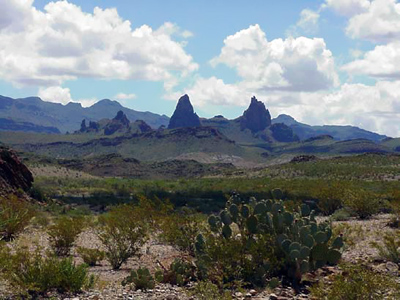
[(347, 8), (308, 21), (380, 23), (295, 64), (123, 96), (62, 42), (381, 62), (57, 94)]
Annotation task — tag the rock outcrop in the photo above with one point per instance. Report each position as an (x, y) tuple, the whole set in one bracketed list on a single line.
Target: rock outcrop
[(14, 175), (119, 123), (256, 117), (184, 115)]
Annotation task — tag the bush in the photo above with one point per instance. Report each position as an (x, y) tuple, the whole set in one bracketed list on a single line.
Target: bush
[(357, 283), (205, 290), (64, 233), (90, 256), (362, 202), (141, 278), (179, 273), (122, 233), (330, 198), (180, 230), (35, 273), (390, 248), (342, 214), (15, 215)]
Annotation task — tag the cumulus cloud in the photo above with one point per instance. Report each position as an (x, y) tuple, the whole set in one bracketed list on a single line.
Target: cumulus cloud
[(62, 42), (123, 96), (296, 64), (58, 94), (379, 23), (381, 62), (347, 8)]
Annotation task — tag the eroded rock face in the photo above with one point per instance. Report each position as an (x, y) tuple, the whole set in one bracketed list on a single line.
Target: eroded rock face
[(256, 117), (119, 123), (184, 115), (14, 174)]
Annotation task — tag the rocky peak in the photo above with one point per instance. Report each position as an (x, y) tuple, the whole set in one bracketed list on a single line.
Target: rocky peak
[(256, 117), (83, 126), (119, 123), (122, 118), (184, 115)]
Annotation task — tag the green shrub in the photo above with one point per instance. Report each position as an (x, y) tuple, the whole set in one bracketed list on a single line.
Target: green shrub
[(389, 250), (206, 290), (362, 202), (35, 273), (330, 198), (179, 273), (41, 219), (122, 232), (15, 215), (90, 256), (141, 278), (63, 234), (357, 283), (180, 230), (341, 214)]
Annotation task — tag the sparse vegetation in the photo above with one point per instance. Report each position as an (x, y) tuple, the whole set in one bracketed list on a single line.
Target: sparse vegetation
[(122, 232), (355, 283), (64, 232), (15, 215), (90, 256), (36, 273)]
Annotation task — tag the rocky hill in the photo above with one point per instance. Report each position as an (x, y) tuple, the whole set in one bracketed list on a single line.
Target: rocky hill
[(14, 175), (41, 116), (340, 133), (119, 124)]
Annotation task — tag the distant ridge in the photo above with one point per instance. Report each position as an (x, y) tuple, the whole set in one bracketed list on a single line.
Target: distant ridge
[(68, 117), (337, 132)]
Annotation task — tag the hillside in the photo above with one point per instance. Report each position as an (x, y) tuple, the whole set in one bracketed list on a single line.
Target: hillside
[(341, 133), (65, 118)]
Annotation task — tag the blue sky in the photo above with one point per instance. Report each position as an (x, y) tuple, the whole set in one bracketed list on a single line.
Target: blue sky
[(323, 62)]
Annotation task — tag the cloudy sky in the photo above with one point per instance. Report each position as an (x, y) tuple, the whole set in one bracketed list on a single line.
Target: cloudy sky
[(322, 62)]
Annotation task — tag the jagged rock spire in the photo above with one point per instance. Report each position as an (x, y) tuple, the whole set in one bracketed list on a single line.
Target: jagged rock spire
[(184, 115), (256, 117)]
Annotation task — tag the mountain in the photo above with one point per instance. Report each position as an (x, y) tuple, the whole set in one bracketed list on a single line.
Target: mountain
[(184, 115), (256, 117), (253, 127), (340, 133), (119, 124), (41, 116)]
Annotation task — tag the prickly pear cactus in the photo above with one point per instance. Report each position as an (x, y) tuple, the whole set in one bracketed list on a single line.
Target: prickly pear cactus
[(303, 243), (141, 278)]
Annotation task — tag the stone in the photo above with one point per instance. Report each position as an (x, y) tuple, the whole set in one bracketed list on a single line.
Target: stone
[(253, 292), (273, 297), (184, 115)]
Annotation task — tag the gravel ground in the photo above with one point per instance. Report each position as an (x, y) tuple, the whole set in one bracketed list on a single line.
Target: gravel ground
[(109, 281)]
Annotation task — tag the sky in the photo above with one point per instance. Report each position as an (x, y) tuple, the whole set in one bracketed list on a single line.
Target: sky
[(333, 62)]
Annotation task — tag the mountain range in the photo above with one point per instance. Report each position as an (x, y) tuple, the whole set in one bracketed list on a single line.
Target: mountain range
[(35, 115)]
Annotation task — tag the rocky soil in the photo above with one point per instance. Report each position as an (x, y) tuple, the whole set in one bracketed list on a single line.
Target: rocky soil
[(359, 235)]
